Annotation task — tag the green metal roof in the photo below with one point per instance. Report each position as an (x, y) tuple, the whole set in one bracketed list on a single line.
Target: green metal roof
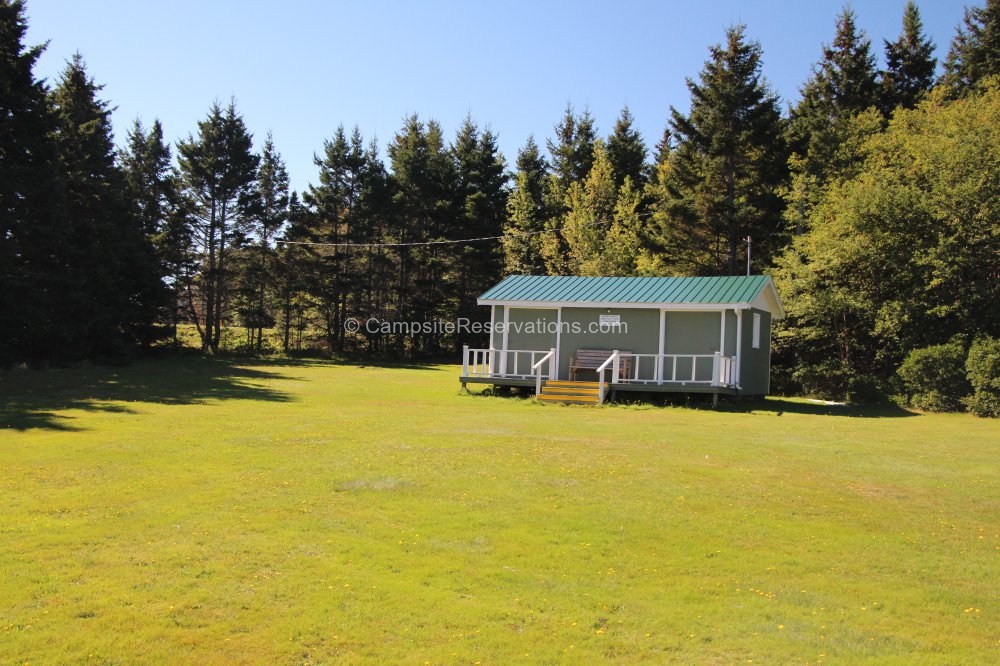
[(654, 290)]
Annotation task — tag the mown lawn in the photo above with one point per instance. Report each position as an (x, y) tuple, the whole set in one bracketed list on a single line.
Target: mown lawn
[(194, 511)]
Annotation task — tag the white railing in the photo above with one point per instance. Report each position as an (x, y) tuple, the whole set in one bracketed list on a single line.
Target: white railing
[(710, 369), (613, 362), (477, 362), (537, 367), (503, 363), (724, 370), (681, 369)]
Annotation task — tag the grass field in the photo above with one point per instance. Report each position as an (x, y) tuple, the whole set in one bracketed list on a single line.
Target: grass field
[(197, 511)]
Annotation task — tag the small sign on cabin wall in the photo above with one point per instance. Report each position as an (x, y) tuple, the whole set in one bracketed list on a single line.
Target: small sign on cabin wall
[(610, 320)]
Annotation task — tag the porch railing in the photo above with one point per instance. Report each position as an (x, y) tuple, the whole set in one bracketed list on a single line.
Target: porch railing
[(680, 369), (550, 358), (505, 363), (711, 369)]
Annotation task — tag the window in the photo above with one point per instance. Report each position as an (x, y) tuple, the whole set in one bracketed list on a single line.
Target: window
[(756, 331)]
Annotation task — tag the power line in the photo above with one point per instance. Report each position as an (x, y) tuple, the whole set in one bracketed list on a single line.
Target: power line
[(439, 242)]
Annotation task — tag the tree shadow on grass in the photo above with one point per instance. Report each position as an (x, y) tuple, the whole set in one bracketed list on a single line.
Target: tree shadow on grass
[(781, 406), (34, 398)]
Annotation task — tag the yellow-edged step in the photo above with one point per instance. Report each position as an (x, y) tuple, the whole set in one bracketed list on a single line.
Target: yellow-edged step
[(582, 393)]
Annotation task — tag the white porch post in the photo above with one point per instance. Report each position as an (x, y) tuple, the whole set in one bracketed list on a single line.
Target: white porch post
[(663, 339), (555, 365), (503, 350), (493, 318), (722, 332), (739, 345)]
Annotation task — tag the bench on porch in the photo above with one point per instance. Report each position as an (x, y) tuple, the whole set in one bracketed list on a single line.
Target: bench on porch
[(592, 359)]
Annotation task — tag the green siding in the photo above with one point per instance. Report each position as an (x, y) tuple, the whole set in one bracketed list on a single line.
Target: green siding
[(755, 364), (640, 334), (532, 328), (691, 333)]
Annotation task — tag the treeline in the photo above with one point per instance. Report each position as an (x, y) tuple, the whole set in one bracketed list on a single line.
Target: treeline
[(872, 200)]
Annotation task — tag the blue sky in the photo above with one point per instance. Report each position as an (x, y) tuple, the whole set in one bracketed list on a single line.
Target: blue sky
[(299, 69)]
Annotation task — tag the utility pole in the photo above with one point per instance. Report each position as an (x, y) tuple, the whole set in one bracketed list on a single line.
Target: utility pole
[(748, 239)]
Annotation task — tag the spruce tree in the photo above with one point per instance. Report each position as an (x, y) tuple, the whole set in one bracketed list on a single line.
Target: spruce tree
[(910, 64), (270, 212), (621, 248), (844, 83), (423, 183), (151, 194), (975, 50), (526, 214), (481, 202), (118, 291), (145, 165), (627, 151), (572, 150), (726, 167), (824, 123), (218, 170), (332, 206), (33, 231), (591, 207)]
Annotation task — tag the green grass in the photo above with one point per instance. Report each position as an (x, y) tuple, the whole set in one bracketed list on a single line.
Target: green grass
[(196, 511)]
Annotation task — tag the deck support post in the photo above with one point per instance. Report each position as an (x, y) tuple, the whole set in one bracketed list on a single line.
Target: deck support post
[(715, 399), (465, 362)]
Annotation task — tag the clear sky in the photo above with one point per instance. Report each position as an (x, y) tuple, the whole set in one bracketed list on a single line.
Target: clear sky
[(299, 69)]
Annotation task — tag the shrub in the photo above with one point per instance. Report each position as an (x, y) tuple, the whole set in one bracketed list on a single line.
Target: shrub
[(983, 372), (934, 377)]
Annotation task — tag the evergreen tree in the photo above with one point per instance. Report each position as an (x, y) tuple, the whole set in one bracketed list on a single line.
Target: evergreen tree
[(572, 151), (591, 211), (145, 165), (33, 231), (423, 185), (152, 197), (726, 168), (374, 297), (481, 199), (975, 50), (910, 64), (218, 170), (621, 250), (291, 266), (843, 84), (270, 212), (821, 129), (627, 151), (333, 212), (526, 214), (117, 289)]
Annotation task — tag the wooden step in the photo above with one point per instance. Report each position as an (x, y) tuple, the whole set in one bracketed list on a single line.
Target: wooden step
[(575, 399), (569, 390), (563, 382)]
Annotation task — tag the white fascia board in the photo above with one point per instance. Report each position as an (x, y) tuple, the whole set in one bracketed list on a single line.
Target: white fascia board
[(768, 301), (709, 307)]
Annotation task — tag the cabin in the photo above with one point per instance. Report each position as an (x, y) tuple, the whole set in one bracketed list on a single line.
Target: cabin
[(587, 339)]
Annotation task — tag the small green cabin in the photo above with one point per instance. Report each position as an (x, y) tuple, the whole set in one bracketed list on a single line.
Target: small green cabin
[(581, 339)]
